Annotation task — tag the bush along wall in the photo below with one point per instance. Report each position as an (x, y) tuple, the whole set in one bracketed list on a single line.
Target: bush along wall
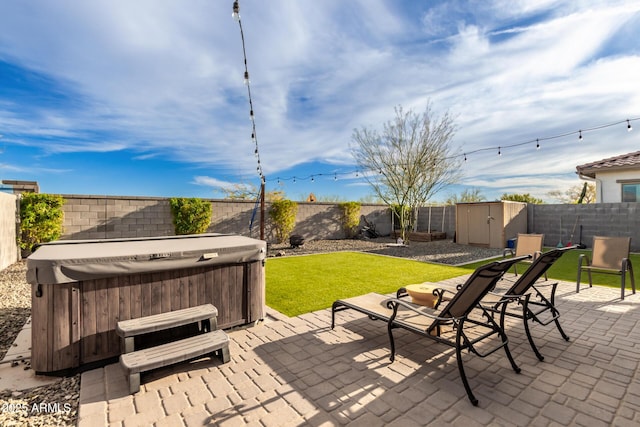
[(350, 218), (283, 216), (190, 215), (41, 219)]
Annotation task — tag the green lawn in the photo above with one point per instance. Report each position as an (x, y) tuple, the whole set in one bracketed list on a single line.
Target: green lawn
[(302, 284)]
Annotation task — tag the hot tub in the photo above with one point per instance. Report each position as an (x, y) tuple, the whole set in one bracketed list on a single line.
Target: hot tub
[(80, 289)]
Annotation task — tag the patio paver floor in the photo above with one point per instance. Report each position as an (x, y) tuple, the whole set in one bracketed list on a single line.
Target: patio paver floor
[(297, 371)]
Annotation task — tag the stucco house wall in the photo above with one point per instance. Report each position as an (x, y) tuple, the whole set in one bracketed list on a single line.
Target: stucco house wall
[(608, 186)]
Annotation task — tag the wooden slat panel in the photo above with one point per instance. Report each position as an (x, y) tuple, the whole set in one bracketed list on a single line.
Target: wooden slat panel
[(218, 298), (156, 293), (102, 321), (135, 291), (39, 329), (193, 289), (255, 291), (201, 284), (113, 301), (145, 283), (183, 290), (176, 280), (166, 293), (124, 298), (61, 327), (88, 323), (76, 327)]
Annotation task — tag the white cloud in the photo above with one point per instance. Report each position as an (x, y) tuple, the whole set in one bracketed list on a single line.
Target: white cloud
[(165, 80)]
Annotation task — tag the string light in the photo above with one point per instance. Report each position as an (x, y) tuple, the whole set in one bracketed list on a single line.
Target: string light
[(236, 16), (236, 11), (465, 155)]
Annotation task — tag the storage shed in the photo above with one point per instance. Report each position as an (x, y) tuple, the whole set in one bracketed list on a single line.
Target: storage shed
[(490, 224), (80, 289)]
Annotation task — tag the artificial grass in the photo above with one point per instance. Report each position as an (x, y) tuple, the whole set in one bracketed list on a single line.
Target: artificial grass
[(566, 269), (302, 284)]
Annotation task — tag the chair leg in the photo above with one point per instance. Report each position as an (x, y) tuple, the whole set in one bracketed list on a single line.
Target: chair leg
[(463, 375), (392, 344), (525, 319)]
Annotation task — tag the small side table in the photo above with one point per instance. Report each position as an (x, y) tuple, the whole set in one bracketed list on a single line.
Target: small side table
[(422, 294)]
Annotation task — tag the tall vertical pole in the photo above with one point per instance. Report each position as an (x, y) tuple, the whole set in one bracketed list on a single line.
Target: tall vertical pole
[(262, 207)]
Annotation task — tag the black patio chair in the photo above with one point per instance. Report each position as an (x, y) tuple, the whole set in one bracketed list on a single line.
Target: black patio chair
[(527, 294), (455, 325)]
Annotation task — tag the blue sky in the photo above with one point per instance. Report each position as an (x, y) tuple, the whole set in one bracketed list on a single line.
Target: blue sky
[(146, 98)]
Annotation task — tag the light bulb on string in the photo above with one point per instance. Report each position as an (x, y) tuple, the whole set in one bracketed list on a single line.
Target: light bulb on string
[(246, 77), (253, 137), (251, 115), (465, 157), (537, 144), (236, 11), (629, 128), (335, 176), (499, 152), (580, 135), (313, 179)]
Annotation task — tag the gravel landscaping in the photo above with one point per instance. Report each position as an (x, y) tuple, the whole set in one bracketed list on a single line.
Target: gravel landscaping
[(52, 405), (25, 408), (441, 251)]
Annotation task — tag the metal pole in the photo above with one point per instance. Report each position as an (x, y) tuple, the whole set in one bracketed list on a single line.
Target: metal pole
[(262, 207)]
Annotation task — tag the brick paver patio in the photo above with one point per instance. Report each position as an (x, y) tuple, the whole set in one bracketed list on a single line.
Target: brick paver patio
[(297, 371)]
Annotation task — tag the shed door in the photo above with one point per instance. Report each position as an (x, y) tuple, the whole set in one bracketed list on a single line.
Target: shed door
[(479, 225)]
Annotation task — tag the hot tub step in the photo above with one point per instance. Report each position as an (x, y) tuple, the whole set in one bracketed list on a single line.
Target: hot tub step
[(174, 352), (129, 329)]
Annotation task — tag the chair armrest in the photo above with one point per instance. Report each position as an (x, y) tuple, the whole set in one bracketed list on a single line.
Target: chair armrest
[(536, 254), (394, 303), (507, 251), (584, 257)]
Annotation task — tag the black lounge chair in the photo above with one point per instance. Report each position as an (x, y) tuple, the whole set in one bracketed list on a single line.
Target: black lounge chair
[(430, 323), (528, 294)]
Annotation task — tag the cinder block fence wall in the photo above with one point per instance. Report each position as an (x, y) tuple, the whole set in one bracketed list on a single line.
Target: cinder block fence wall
[(106, 217), (101, 217)]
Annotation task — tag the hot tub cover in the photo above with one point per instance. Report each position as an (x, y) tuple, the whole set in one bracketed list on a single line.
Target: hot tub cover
[(66, 261)]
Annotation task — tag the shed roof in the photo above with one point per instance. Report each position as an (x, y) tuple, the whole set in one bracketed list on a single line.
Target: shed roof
[(624, 161)]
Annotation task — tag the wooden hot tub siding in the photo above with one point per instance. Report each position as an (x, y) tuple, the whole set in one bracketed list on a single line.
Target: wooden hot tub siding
[(74, 323)]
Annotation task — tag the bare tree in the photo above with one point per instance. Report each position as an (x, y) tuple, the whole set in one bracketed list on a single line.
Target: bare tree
[(574, 193), (409, 161)]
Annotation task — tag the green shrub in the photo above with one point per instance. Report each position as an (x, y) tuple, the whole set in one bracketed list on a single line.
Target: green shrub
[(350, 217), (283, 215), (41, 218), (190, 215)]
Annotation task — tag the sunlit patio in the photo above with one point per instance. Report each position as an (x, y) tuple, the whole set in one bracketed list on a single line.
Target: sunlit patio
[(297, 371)]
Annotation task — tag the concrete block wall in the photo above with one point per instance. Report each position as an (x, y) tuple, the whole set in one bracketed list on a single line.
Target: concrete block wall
[(9, 252), (557, 222), (109, 217)]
